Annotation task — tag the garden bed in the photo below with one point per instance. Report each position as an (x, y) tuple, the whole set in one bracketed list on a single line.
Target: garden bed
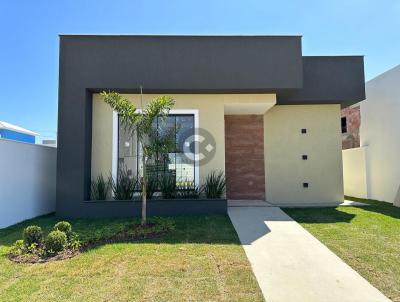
[(132, 233)]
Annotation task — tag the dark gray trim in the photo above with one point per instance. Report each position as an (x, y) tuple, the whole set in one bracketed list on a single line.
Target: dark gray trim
[(329, 80), (165, 207), (185, 63)]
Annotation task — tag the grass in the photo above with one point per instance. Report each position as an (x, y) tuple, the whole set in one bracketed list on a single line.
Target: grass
[(201, 260), (366, 238)]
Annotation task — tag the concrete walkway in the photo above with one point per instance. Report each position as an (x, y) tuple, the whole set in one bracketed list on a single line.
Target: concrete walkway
[(292, 265), (262, 203)]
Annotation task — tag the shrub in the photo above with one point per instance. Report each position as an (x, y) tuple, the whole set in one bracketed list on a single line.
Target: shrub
[(124, 186), (187, 189), (214, 186), (74, 243), (34, 248), (33, 234), (55, 242), (64, 226), (100, 188), (18, 248), (168, 185)]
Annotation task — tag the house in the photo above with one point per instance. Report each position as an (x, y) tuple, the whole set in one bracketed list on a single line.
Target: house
[(270, 116), (371, 170), (351, 122), (49, 142), (16, 133)]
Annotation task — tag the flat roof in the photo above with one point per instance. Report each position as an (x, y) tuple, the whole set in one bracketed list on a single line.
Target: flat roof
[(15, 128)]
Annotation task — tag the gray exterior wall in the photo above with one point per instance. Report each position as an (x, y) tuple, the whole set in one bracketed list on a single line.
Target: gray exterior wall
[(159, 208), (329, 80), (182, 64)]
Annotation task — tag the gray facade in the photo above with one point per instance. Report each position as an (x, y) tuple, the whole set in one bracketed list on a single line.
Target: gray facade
[(182, 64)]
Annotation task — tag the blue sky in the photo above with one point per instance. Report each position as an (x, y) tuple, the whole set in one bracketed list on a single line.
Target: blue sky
[(29, 37)]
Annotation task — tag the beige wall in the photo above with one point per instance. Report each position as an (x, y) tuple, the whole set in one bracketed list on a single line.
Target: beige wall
[(211, 117), (102, 130), (284, 146), (354, 172)]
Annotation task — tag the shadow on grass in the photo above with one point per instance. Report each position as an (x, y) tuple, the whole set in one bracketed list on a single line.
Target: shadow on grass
[(377, 206), (213, 229), (319, 215)]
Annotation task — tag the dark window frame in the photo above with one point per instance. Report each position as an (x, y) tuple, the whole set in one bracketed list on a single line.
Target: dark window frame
[(344, 124)]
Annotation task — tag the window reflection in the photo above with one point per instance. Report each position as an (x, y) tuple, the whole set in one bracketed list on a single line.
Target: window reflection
[(174, 161)]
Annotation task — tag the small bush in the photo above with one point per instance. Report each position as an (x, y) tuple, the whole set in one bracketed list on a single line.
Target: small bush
[(64, 226), (55, 242), (100, 188), (214, 186), (18, 248), (124, 186), (33, 234), (74, 243), (34, 248), (168, 185)]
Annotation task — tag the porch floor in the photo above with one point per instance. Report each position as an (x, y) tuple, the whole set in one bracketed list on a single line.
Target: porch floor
[(249, 203)]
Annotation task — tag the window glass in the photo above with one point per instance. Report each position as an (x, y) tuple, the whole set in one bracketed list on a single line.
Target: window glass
[(174, 161), (127, 150), (184, 127)]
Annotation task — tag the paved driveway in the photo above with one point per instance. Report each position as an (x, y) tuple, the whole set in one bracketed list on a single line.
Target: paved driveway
[(292, 265)]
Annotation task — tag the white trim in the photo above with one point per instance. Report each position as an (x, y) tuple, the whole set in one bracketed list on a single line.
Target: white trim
[(114, 160), (114, 164)]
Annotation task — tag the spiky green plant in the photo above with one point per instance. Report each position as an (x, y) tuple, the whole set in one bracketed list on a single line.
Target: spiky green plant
[(214, 185), (100, 188), (124, 186), (168, 185)]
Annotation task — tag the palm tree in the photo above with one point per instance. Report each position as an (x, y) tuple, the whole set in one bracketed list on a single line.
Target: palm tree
[(141, 123)]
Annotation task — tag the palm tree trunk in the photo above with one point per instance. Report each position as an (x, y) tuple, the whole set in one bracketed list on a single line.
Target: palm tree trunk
[(144, 192)]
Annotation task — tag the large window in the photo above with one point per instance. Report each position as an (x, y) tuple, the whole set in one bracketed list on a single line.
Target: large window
[(174, 161)]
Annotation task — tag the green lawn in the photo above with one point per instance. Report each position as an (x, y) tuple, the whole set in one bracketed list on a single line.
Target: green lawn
[(366, 238), (201, 260)]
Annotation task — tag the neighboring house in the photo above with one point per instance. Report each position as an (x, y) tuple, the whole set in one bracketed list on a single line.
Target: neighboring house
[(16, 133), (374, 167), (350, 122), (274, 114), (49, 142)]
